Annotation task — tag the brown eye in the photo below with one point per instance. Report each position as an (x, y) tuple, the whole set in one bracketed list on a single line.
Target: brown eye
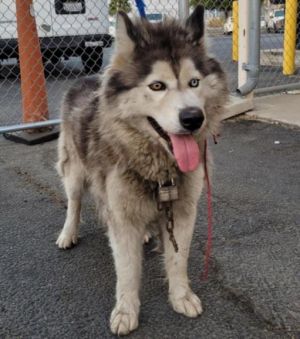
[(157, 86), (194, 83)]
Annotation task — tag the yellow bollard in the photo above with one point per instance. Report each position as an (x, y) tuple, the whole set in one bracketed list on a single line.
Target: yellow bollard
[(289, 46), (235, 31)]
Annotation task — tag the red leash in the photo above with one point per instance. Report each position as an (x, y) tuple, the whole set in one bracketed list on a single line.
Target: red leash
[(209, 215)]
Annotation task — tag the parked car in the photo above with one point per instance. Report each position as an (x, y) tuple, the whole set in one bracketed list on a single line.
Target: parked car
[(275, 21), (65, 28), (228, 25), (152, 17)]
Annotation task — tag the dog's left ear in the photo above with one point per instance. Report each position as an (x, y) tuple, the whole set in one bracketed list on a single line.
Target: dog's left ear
[(195, 24)]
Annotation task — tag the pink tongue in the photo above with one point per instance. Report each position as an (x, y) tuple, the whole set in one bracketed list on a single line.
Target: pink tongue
[(186, 152)]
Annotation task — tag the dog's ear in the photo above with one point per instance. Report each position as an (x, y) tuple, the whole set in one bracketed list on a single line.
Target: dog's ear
[(195, 24), (125, 34)]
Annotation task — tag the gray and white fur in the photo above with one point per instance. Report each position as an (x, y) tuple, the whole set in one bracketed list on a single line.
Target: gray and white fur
[(108, 146)]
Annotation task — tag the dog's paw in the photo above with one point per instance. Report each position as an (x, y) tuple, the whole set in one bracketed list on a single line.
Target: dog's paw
[(189, 304), (123, 321), (66, 240)]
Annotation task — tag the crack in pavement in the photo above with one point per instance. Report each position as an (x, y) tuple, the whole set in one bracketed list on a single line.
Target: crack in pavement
[(54, 196)]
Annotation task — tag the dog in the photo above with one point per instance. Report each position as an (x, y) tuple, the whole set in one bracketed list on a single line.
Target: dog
[(133, 137)]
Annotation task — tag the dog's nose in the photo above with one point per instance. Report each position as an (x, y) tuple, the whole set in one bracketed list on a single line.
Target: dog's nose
[(191, 118)]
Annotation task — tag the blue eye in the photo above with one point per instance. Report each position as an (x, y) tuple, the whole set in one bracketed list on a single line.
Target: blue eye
[(157, 86), (194, 83)]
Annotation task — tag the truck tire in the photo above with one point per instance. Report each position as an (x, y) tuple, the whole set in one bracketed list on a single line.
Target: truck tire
[(92, 59)]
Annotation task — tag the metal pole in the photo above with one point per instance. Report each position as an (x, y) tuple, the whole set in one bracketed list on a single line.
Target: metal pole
[(183, 9), (33, 83), (279, 88), (32, 125), (243, 41), (252, 38)]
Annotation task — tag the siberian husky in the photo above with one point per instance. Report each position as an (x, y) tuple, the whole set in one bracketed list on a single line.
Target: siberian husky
[(138, 130)]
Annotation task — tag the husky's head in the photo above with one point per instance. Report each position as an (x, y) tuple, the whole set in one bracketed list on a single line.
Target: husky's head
[(162, 82)]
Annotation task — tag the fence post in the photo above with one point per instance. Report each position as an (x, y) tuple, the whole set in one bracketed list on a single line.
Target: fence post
[(243, 41), (249, 45), (33, 84), (289, 47), (183, 9), (235, 30)]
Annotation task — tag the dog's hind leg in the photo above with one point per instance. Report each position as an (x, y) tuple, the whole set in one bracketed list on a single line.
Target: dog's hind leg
[(182, 298), (73, 180)]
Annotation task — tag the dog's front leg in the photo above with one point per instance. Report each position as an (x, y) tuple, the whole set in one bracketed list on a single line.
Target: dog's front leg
[(182, 298), (126, 242), (126, 231)]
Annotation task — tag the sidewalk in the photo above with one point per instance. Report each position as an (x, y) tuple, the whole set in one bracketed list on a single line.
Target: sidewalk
[(253, 288), (280, 108), (274, 57)]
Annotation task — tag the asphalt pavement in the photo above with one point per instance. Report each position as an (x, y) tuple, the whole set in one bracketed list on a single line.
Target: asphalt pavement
[(253, 287)]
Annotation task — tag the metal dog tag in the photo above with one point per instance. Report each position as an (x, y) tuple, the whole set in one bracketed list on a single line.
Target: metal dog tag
[(167, 191)]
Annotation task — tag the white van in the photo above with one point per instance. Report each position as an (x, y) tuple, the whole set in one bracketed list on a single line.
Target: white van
[(65, 27)]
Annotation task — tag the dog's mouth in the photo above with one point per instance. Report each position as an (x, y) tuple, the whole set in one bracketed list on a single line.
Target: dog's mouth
[(183, 146), (159, 130)]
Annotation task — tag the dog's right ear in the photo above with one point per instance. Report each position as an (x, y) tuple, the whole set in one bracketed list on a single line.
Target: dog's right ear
[(125, 34)]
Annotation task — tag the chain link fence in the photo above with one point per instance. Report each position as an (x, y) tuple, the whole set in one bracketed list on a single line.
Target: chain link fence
[(280, 45), (76, 40)]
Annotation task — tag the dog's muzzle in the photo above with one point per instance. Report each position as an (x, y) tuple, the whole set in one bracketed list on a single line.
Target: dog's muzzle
[(191, 118)]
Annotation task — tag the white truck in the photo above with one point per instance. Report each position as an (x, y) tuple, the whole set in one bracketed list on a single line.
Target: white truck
[(65, 27)]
